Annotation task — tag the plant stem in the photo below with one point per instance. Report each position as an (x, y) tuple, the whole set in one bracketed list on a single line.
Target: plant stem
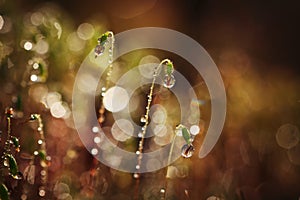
[(144, 129)]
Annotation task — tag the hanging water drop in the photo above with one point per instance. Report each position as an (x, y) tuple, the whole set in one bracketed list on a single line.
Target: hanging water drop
[(5, 162), (143, 119), (99, 49), (18, 176), (178, 131), (169, 81), (136, 175), (140, 134), (187, 150), (162, 193)]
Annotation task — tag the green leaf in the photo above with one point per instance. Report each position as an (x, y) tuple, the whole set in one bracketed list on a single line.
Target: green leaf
[(169, 68), (42, 155), (13, 167), (15, 142), (3, 192), (186, 135), (41, 69), (103, 38), (34, 117)]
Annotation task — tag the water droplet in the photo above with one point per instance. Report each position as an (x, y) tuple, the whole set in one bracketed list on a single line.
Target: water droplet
[(95, 129), (99, 49), (9, 112), (143, 119), (97, 140), (43, 173), (102, 110), (162, 193), (42, 191), (137, 167), (18, 176), (5, 162), (140, 135), (101, 119), (136, 175), (187, 150), (94, 151), (178, 131), (169, 81)]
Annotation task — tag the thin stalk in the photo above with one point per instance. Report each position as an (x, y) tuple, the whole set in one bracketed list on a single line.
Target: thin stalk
[(146, 116)]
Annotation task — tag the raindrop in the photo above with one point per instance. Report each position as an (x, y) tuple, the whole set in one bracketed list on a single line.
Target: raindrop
[(143, 119), (18, 176), (169, 81), (5, 162), (178, 131), (99, 49), (97, 140), (95, 129), (42, 192), (187, 150), (136, 175), (94, 151), (162, 193)]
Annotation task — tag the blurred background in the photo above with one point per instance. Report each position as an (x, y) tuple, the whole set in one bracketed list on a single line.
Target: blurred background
[(255, 46)]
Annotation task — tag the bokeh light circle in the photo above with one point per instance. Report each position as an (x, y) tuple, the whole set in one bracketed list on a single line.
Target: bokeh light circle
[(288, 136), (115, 99)]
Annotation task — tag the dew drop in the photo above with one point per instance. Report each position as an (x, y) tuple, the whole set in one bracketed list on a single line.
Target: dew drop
[(187, 150), (162, 192), (99, 49), (178, 131), (18, 176), (5, 163), (143, 119), (169, 81), (94, 151), (136, 175), (42, 192), (140, 135)]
